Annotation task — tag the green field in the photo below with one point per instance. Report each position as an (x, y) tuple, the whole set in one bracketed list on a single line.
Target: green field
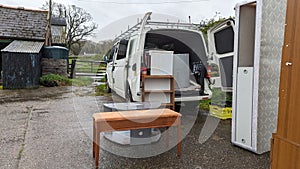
[(88, 64)]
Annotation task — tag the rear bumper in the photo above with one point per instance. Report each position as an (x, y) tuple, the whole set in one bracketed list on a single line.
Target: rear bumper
[(192, 98)]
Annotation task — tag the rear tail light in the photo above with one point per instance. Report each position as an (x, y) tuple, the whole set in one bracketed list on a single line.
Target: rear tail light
[(143, 72), (208, 72)]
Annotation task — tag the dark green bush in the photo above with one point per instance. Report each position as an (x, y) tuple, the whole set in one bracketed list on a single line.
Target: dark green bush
[(51, 80)]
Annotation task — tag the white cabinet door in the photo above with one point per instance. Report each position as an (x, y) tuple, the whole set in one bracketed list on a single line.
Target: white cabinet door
[(244, 105)]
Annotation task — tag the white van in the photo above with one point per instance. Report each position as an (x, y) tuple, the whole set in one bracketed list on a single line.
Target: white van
[(129, 59)]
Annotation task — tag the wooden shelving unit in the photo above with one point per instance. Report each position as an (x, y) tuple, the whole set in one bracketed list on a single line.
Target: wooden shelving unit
[(159, 88)]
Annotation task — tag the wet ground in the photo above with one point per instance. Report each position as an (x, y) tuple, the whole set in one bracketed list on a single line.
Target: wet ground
[(51, 128)]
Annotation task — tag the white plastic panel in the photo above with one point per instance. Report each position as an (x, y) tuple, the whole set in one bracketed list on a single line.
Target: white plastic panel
[(157, 84), (244, 105), (161, 62), (158, 97), (181, 70)]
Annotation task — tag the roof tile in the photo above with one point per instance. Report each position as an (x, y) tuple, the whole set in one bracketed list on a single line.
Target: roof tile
[(20, 23)]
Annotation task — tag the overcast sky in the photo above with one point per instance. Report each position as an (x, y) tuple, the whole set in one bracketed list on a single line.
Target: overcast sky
[(113, 16)]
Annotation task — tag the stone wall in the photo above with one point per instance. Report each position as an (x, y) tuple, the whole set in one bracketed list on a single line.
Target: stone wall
[(54, 66)]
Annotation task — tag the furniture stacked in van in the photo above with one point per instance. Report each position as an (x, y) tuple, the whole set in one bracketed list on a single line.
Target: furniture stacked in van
[(152, 46)]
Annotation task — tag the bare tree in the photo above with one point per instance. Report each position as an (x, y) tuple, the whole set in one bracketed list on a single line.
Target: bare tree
[(79, 23)]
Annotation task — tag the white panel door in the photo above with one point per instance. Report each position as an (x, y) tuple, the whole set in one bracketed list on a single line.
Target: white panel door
[(244, 105)]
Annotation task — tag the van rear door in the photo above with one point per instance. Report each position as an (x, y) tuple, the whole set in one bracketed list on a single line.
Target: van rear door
[(221, 46)]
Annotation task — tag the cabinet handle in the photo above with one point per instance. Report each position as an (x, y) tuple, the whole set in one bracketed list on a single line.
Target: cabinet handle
[(288, 63)]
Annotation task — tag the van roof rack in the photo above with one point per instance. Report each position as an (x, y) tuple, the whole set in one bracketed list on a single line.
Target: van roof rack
[(155, 24)]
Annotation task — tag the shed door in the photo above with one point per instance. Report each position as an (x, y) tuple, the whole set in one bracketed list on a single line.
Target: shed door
[(3, 44)]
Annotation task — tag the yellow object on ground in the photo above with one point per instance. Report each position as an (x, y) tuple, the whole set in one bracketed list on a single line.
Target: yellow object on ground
[(1, 87), (220, 112)]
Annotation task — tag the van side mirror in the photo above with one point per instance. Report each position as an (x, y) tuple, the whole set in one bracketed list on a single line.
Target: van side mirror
[(105, 58)]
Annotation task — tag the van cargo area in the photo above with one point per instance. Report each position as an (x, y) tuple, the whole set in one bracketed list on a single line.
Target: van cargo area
[(188, 60), (159, 49)]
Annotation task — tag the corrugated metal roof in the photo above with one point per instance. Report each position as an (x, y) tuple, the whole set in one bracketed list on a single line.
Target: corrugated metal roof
[(18, 46)]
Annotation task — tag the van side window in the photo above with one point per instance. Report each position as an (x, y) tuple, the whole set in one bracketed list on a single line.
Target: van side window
[(122, 49), (111, 54), (121, 52), (224, 40), (131, 46)]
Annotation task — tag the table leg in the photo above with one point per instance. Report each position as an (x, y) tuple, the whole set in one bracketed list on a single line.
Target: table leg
[(94, 134), (167, 136), (179, 137), (97, 147)]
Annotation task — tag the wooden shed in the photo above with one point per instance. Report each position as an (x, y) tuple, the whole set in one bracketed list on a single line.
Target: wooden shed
[(21, 64), (21, 24)]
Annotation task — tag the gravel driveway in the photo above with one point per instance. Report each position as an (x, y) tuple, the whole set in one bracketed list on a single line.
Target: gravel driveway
[(51, 128)]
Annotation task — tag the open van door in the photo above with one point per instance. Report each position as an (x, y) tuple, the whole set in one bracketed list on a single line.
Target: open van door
[(140, 51), (220, 58), (110, 68), (120, 68)]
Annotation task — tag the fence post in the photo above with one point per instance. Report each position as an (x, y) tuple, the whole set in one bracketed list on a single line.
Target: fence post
[(73, 74)]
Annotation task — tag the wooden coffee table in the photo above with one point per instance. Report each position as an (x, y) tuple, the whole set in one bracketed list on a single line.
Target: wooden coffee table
[(133, 119)]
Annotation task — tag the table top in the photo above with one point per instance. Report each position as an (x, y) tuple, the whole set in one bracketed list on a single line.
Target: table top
[(135, 115), (132, 106)]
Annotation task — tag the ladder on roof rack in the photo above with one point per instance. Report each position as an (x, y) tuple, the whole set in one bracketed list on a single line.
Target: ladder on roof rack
[(155, 24)]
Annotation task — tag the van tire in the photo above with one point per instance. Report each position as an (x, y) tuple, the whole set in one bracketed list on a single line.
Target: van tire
[(177, 106), (129, 95), (108, 89)]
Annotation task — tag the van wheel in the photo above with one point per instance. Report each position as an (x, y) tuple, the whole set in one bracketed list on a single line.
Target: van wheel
[(177, 106), (108, 89), (129, 95)]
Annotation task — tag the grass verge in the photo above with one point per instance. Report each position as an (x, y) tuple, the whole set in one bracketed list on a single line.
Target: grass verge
[(204, 104), (52, 80), (219, 98), (21, 151), (101, 90), (82, 81)]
